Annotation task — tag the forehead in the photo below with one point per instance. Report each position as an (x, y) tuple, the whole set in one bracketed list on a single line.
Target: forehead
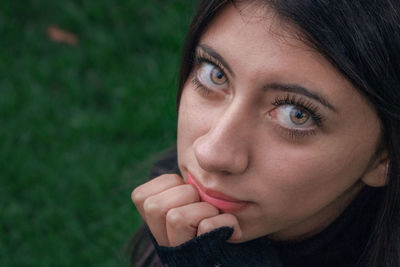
[(253, 28), (256, 42), (238, 15)]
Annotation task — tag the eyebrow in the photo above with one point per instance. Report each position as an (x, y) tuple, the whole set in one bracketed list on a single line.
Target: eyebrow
[(210, 51), (291, 88)]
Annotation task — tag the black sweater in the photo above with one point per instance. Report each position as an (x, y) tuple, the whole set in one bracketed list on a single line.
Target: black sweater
[(340, 244)]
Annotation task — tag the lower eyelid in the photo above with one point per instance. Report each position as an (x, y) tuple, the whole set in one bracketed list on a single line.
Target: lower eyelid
[(199, 85), (295, 134)]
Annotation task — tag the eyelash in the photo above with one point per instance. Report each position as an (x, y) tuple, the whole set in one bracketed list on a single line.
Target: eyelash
[(278, 101), (204, 91), (302, 103), (200, 58)]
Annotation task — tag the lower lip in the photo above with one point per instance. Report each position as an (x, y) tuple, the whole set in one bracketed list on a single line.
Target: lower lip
[(224, 205)]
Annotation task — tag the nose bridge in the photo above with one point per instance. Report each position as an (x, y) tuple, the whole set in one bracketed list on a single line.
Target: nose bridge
[(231, 124), (225, 146)]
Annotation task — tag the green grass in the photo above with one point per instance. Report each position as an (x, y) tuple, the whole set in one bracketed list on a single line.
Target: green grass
[(81, 125)]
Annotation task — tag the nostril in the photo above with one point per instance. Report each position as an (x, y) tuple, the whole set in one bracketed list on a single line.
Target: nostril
[(225, 173)]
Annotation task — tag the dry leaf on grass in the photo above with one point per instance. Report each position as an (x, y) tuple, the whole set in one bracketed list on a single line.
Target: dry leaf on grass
[(58, 35)]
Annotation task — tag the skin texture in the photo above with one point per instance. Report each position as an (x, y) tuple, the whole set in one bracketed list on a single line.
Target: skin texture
[(235, 139)]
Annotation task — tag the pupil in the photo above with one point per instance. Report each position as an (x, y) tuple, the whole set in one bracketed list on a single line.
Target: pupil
[(298, 117), (299, 114), (217, 76)]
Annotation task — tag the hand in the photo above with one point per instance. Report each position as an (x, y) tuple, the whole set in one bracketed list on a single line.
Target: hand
[(174, 213)]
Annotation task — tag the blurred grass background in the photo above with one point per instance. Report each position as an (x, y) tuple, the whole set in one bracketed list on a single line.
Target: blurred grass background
[(80, 126)]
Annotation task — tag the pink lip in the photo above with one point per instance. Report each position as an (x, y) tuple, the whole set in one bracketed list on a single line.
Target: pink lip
[(215, 198)]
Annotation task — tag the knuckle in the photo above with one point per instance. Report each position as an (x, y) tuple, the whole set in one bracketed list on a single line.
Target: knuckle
[(192, 191), (231, 218), (163, 176), (175, 217), (191, 187), (137, 195), (213, 209), (174, 178), (206, 226), (152, 207)]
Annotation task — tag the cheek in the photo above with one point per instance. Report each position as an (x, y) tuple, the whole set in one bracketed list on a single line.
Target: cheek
[(303, 180)]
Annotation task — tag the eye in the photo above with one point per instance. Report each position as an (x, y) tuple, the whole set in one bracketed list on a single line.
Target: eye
[(217, 77), (290, 116), (211, 76)]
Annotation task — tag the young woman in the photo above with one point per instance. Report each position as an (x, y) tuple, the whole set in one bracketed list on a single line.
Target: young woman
[(288, 139)]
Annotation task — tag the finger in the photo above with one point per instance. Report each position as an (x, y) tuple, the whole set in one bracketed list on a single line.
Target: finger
[(224, 219), (155, 208), (182, 222), (153, 187)]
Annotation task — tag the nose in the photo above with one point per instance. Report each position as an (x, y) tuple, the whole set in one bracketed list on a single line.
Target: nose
[(225, 147)]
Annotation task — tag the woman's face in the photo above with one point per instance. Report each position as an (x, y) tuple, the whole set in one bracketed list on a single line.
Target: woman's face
[(267, 121)]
